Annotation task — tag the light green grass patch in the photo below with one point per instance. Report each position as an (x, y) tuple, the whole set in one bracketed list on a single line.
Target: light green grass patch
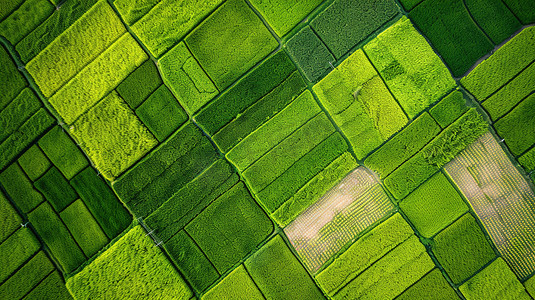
[(98, 78), (112, 136), (412, 71), (131, 268), (75, 48)]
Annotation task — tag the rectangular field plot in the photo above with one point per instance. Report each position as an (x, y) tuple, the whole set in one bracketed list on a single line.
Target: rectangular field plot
[(501, 198), (349, 208)]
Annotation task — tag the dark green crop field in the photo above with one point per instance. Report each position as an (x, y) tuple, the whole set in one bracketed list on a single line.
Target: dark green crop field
[(267, 149)]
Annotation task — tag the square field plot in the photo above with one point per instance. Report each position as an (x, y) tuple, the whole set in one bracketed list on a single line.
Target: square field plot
[(230, 228), (112, 136), (230, 42), (433, 205)]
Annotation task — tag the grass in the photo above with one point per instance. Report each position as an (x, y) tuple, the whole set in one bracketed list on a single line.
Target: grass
[(431, 286), (278, 274), (191, 261), (17, 112), (22, 138), (281, 17), (140, 84), (277, 161), (450, 29), (508, 96), (345, 23), (132, 267), (523, 10), (161, 113), (258, 113), (496, 281), (516, 127), (495, 71), (10, 218), (52, 287), (98, 79), (278, 128), (186, 79), (433, 206), (165, 170), (58, 63), (63, 152), (236, 285), (403, 145), (25, 19), (13, 80), (392, 274), (100, 200), (310, 54), (84, 228), (494, 18), (168, 22), (27, 277), (56, 189), (57, 237), (48, 30), (20, 189), (442, 149), (363, 253), (248, 90), (15, 250), (112, 136), (34, 162), (355, 203), (410, 68), (361, 105), (186, 203), (449, 109), (234, 214), (528, 160), (462, 249), (239, 38), (8, 7)]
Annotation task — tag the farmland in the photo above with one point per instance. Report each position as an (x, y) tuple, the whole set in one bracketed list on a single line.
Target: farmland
[(252, 149)]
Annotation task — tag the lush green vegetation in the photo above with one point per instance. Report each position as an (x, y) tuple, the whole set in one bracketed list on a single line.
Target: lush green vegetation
[(130, 268), (57, 237), (362, 106), (161, 113), (267, 149), (496, 281), (237, 285), (345, 23), (404, 60), (433, 206), (69, 52), (109, 213), (112, 136), (237, 35), (283, 17), (310, 54), (234, 214), (462, 249), (431, 286), (56, 189), (278, 274), (449, 109), (140, 84)]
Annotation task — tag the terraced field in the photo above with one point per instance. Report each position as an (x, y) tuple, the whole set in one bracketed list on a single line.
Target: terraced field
[(281, 149)]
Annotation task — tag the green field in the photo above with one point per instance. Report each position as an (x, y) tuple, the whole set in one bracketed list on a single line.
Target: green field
[(267, 149)]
